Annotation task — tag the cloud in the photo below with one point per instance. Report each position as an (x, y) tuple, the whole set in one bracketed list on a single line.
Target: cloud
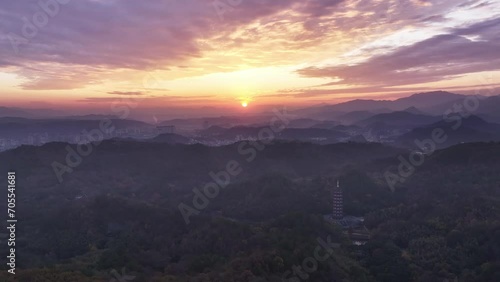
[(126, 34), (111, 35), (129, 34), (131, 93), (85, 41), (434, 59), (149, 101)]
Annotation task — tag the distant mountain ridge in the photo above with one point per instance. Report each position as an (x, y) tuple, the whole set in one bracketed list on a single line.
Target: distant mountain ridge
[(29, 113), (429, 102)]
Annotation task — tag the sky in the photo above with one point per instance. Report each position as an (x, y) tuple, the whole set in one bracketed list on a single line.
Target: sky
[(202, 56)]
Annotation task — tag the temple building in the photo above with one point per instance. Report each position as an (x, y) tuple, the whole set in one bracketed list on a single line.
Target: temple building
[(353, 226)]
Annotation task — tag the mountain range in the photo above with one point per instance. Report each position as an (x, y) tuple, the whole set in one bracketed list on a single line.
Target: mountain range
[(397, 122), (432, 103)]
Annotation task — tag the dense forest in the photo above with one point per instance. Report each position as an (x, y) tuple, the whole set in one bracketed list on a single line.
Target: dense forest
[(115, 217)]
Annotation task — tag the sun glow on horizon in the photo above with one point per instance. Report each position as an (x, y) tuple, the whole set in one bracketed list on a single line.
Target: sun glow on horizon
[(265, 56)]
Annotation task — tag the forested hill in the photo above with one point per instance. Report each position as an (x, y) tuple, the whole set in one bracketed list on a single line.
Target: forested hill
[(143, 168), (118, 209)]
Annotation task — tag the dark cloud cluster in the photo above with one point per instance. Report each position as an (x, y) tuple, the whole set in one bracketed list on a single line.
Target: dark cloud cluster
[(461, 51), (129, 34)]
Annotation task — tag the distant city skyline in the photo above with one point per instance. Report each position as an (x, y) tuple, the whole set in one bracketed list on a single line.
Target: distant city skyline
[(195, 58)]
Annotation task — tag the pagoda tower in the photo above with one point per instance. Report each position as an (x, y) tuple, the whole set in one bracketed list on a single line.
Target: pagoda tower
[(338, 202)]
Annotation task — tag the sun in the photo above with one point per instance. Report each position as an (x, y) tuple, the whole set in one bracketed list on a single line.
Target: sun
[(244, 104)]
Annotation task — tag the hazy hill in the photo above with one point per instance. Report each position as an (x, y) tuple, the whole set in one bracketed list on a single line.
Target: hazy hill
[(312, 134), (316, 135), (414, 110), (13, 112), (191, 124), (29, 113), (22, 127), (490, 107), (396, 120), (306, 123), (172, 138), (353, 117), (472, 129)]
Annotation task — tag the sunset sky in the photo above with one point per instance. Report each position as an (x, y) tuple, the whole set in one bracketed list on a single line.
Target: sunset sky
[(175, 54)]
